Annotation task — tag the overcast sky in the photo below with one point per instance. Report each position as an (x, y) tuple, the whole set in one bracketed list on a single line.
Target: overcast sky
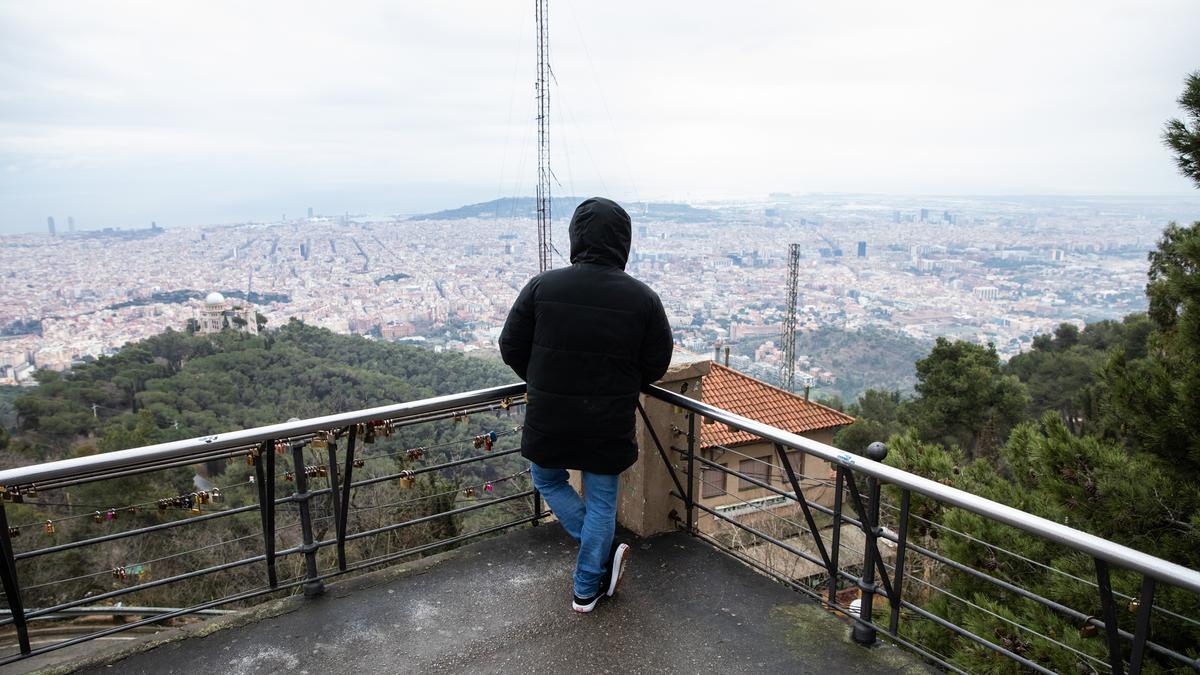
[(119, 113)]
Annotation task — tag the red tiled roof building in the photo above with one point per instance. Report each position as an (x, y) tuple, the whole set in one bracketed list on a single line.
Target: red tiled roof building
[(730, 390)]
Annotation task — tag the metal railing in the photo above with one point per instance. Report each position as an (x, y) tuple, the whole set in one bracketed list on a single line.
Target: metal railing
[(338, 441), (873, 577), (299, 451)]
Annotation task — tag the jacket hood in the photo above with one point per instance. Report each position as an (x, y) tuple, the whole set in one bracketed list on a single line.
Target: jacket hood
[(600, 233)]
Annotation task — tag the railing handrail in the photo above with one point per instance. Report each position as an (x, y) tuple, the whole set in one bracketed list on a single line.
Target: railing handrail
[(1117, 554), (121, 459)]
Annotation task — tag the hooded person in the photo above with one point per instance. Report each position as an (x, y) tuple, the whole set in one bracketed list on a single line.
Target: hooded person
[(586, 339)]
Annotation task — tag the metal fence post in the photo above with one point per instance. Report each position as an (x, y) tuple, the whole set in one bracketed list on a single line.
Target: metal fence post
[(835, 546), (864, 632), (264, 472), (691, 473), (313, 586), (12, 588)]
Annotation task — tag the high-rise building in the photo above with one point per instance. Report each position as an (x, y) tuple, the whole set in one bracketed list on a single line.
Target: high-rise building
[(50, 225), (310, 213), (924, 215), (70, 223), (862, 249)]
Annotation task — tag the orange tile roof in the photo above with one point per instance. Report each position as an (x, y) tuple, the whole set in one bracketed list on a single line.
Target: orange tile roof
[(728, 389)]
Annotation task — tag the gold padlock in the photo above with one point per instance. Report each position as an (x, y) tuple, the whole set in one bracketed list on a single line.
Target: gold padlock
[(406, 479), (49, 527)]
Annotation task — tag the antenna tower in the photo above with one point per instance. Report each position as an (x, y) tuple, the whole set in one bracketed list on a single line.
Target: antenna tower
[(545, 245), (787, 371)]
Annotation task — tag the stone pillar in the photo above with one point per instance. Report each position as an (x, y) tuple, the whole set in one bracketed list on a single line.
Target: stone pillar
[(645, 500)]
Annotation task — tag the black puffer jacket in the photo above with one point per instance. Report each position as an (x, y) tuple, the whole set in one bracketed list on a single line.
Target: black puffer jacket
[(586, 338)]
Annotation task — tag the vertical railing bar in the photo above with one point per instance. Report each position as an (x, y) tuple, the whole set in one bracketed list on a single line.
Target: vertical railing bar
[(864, 632), (870, 527), (901, 548), (263, 478), (335, 500), (691, 472), (1109, 609), (313, 586), (808, 516), (271, 469), (537, 508), (351, 447), (1141, 633), (12, 586), (835, 546)]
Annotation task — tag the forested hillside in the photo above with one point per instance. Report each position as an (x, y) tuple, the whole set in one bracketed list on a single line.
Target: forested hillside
[(1097, 429), (870, 358), (178, 385), (192, 385)]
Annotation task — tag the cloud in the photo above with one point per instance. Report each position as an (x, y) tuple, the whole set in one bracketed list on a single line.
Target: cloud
[(396, 107)]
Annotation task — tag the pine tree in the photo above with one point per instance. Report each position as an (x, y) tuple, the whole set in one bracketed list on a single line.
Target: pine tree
[(1183, 139)]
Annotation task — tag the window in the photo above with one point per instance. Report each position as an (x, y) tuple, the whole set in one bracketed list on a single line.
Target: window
[(796, 459), (712, 482), (755, 468)]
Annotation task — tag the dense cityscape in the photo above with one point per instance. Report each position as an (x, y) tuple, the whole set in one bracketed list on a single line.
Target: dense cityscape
[(998, 270)]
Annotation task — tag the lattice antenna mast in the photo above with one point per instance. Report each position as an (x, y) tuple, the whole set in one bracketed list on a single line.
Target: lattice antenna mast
[(545, 242), (787, 371)]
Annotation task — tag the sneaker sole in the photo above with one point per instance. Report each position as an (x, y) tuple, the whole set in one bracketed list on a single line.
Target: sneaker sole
[(584, 609), (619, 558)]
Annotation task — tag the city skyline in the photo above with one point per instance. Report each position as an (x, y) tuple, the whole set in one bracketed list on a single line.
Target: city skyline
[(999, 271), (222, 114)]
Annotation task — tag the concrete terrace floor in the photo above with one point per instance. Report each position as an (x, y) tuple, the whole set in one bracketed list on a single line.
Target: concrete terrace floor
[(503, 605)]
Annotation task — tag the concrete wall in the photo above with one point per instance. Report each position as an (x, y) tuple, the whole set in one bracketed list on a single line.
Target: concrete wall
[(645, 503)]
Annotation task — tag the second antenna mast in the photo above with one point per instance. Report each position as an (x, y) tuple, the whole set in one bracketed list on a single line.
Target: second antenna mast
[(545, 243)]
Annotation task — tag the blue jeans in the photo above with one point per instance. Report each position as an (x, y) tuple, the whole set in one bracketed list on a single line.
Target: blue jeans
[(592, 524)]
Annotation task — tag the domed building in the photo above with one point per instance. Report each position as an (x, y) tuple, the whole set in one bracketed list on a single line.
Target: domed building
[(218, 314)]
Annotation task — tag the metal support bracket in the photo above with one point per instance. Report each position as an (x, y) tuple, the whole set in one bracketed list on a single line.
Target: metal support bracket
[(264, 477), (12, 588)]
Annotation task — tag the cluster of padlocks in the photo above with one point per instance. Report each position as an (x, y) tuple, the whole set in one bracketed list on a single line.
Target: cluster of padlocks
[(15, 495), (191, 501), (124, 572), (485, 441), (315, 471)]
